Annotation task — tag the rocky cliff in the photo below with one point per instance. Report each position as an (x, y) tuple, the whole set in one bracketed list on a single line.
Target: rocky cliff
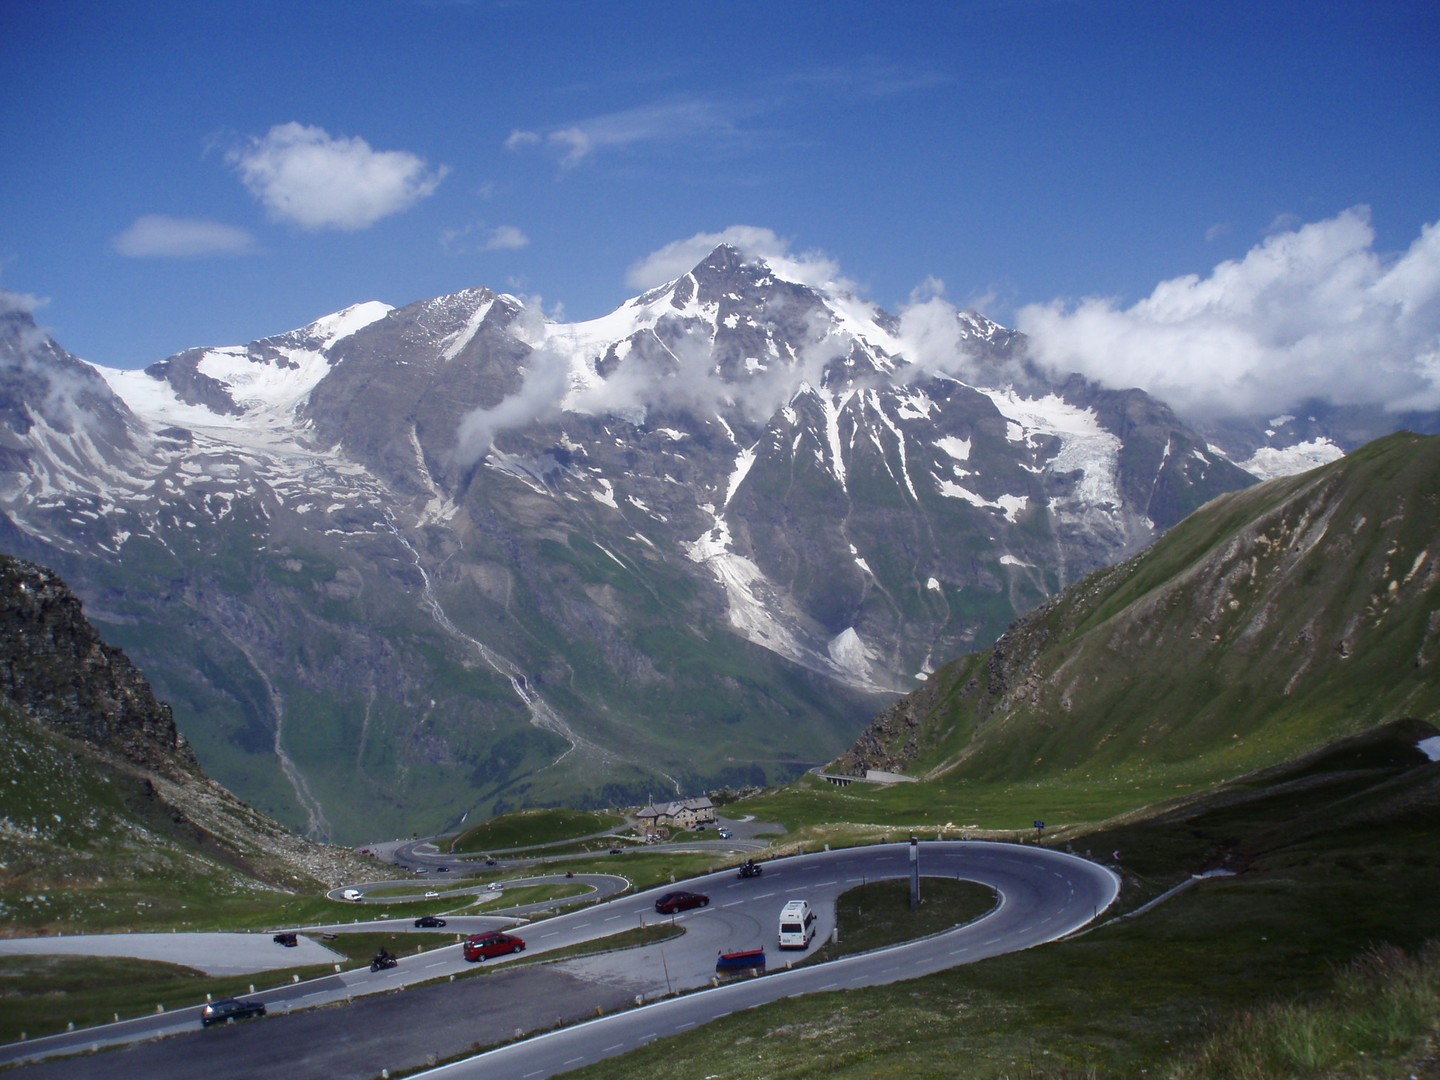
[(99, 777)]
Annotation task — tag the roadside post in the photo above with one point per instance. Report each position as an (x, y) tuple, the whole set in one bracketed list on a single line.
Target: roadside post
[(914, 872)]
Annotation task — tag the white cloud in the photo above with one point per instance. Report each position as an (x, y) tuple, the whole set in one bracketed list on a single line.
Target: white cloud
[(24, 303), (304, 175), (476, 237), (663, 122), (518, 139), (506, 238), (931, 331), (1311, 312), (541, 391), (680, 257), (158, 236), (1315, 312)]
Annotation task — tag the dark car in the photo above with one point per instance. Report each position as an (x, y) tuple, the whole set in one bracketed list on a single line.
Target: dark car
[(442, 869), (288, 940), (672, 902), (430, 921), (492, 943), (223, 1012)]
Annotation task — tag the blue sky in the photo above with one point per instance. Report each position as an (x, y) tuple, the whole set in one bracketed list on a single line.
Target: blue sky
[(182, 174)]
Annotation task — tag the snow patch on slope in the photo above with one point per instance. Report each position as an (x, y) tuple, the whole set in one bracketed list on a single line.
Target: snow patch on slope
[(764, 615), (332, 328), (456, 343), (1085, 446), (1268, 462)]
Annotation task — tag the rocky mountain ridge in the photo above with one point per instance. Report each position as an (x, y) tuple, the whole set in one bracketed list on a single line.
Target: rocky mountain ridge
[(54, 666), (410, 563)]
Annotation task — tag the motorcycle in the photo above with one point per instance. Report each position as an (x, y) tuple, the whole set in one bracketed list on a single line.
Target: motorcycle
[(750, 868), (382, 961)]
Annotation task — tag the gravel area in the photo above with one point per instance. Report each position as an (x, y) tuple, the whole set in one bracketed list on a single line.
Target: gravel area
[(214, 954)]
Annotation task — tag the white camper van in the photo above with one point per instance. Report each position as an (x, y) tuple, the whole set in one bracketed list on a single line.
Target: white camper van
[(350, 894), (797, 925)]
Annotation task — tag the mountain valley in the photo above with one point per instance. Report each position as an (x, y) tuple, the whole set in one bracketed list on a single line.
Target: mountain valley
[(406, 565)]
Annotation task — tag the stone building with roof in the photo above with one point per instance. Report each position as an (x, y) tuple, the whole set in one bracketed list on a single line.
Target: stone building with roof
[(658, 819)]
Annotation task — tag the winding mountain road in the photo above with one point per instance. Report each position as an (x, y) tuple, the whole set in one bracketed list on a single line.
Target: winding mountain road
[(1043, 895)]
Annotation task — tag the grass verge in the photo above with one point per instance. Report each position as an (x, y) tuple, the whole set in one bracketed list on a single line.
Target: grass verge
[(528, 828), (878, 914)]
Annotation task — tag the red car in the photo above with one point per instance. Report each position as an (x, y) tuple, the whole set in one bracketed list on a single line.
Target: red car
[(672, 902), (492, 943)]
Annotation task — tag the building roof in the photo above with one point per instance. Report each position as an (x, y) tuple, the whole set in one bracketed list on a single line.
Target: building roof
[(671, 809)]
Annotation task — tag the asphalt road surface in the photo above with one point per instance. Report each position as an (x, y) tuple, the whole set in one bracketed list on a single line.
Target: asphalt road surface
[(1043, 895)]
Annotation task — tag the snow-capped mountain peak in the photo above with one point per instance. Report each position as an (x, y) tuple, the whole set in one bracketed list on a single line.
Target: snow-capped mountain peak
[(693, 537)]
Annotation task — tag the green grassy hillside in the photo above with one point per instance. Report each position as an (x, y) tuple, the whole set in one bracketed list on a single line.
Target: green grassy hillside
[(89, 843), (1271, 621)]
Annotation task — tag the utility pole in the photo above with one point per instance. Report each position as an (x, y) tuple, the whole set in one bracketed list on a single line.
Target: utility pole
[(914, 872)]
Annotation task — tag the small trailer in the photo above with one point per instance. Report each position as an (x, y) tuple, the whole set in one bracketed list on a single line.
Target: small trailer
[(736, 963)]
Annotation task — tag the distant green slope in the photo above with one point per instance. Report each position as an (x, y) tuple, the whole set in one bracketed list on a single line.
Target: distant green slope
[(1271, 621)]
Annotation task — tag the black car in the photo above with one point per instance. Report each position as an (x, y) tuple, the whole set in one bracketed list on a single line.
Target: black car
[(223, 1012), (288, 940), (672, 902), (431, 921)]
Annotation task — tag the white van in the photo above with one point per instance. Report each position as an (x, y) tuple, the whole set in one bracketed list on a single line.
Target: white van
[(350, 894), (797, 925)]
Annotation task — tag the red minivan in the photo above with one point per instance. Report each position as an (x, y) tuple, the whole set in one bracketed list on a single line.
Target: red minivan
[(492, 943)]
